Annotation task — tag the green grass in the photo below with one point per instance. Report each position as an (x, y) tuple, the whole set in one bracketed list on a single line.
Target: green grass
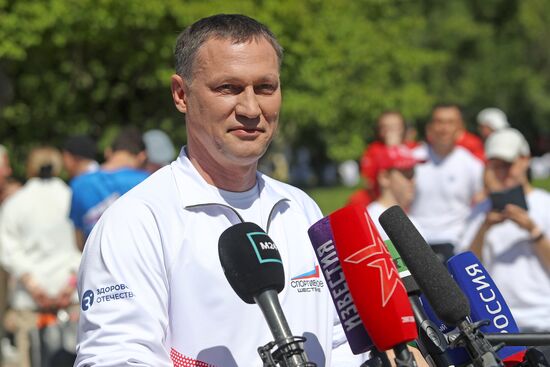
[(331, 198), (543, 184)]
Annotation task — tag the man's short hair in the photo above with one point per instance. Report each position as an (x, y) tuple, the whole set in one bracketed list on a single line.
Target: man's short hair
[(447, 105), (389, 113), (81, 146), (236, 27), (129, 140)]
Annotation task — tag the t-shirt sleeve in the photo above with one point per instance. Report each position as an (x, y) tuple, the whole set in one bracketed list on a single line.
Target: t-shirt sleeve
[(123, 290), (76, 212)]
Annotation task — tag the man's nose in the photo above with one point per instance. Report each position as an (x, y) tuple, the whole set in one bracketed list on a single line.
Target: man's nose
[(247, 104)]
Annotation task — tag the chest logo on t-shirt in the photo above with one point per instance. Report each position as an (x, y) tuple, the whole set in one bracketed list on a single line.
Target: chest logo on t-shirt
[(309, 281)]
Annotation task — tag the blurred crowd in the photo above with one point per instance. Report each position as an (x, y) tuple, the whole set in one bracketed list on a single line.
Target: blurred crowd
[(44, 223), (468, 192), (448, 184)]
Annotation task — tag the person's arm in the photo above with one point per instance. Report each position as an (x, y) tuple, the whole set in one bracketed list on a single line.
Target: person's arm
[(541, 242), (80, 239), (491, 218), (124, 292), (76, 214)]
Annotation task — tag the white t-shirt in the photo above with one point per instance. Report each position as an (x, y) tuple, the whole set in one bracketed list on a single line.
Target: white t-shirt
[(445, 189), (511, 261), (153, 292)]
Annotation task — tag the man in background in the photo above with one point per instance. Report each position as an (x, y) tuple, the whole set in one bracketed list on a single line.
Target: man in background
[(94, 192), (447, 184), (160, 150), (79, 155), (512, 241), (490, 120), (390, 131), (396, 181)]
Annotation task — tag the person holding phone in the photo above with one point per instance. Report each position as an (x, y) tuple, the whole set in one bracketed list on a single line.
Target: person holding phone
[(513, 241)]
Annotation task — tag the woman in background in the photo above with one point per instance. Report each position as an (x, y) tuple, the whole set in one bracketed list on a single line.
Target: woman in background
[(38, 250)]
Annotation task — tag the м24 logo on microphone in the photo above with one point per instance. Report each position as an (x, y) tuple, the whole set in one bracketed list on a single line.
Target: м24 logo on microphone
[(266, 251)]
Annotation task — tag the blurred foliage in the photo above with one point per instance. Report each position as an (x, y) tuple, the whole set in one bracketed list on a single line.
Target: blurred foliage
[(90, 66)]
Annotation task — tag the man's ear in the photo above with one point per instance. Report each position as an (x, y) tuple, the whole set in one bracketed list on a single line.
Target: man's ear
[(141, 159), (178, 93), (107, 153)]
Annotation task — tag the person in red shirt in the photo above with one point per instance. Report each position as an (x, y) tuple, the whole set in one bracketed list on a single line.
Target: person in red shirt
[(471, 142), (391, 128)]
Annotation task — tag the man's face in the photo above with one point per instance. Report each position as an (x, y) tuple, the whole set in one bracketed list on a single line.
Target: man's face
[(232, 104), (484, 131), (391, 129), (501, 175), (444, 127), (402, 185)]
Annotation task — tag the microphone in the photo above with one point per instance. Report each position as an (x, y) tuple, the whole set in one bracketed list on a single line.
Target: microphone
[(436, 283), (252, 265), (374, 282), (486, 301), (431, 342), (322, 240)]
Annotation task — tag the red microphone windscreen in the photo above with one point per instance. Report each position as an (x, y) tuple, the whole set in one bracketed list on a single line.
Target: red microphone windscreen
[(373, 279), (515, 359)]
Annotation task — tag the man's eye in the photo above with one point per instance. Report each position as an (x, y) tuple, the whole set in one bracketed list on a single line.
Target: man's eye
[(265, 88), (227, 88)]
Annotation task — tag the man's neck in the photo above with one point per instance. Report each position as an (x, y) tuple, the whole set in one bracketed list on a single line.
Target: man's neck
[(226, 177), (442, 152), (120, 159), (83, 166)]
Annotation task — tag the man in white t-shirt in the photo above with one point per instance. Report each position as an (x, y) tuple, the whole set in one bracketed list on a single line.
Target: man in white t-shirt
[(447, 184), (514, 243), (152, 289)]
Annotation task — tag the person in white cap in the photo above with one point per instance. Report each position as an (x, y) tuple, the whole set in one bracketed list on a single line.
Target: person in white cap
[(490, 120), (514, 243), (160, 149)]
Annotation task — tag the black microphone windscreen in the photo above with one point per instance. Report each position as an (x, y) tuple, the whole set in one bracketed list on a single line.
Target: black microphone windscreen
[(444, 295), (250, 260)]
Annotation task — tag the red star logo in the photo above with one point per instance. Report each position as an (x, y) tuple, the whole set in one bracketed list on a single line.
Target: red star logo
[(389, 278)]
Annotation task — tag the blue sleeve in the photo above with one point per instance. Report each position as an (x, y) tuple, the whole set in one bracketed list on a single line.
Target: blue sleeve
[(77, 212)]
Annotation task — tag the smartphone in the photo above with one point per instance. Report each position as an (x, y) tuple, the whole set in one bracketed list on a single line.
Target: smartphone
[(514, 196)]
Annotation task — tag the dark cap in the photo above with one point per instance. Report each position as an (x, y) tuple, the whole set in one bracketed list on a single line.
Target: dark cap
[(81, 146)]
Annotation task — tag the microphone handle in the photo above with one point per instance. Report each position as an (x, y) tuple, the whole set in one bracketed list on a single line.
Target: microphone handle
[(403, 356), (480, 350), (289, 348), (519, 339), (377, 359), (432, 343)]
